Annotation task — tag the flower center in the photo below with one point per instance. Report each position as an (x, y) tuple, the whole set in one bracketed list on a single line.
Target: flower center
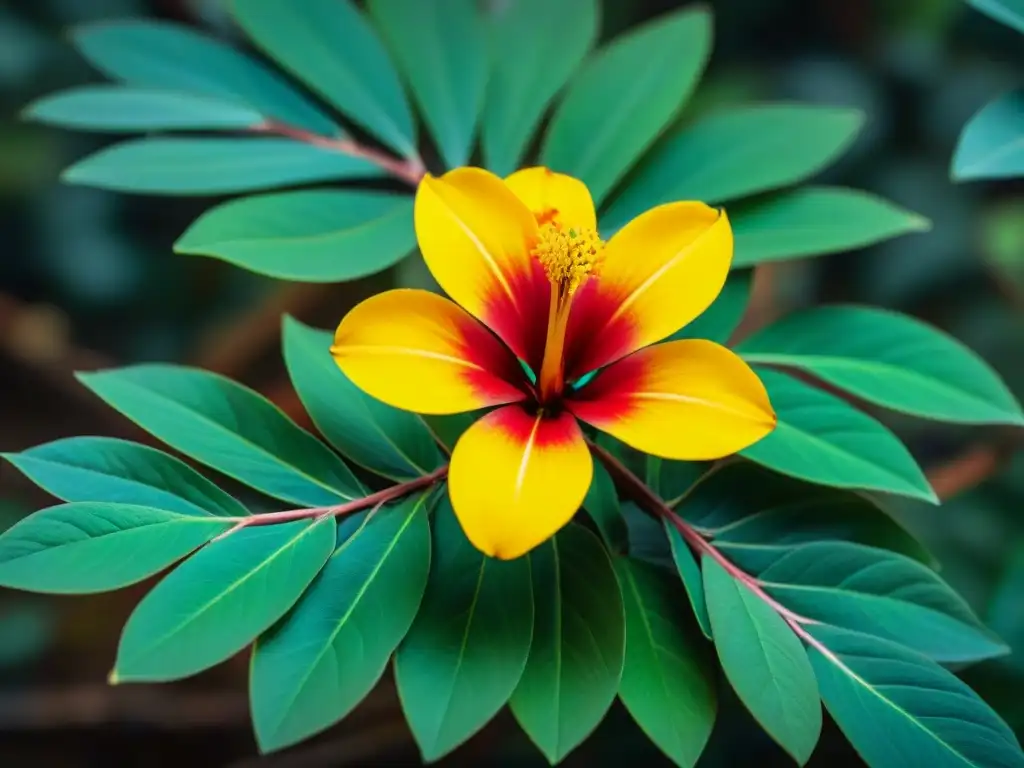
[(569, 257)]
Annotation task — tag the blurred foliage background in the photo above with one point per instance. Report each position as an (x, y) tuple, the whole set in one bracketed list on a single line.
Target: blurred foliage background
[(88, 279)]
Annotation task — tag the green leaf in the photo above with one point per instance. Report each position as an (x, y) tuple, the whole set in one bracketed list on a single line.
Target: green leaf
[(330, 46), (228, 427), (468, 647), (115, 108), (647, 539), (736, 153), (821, 438), (111, 470), (1009, 12), (385, 440), (667, 683), (676, 478), (812, 221), (95, 547), (449, 427), (174, 57), (575, 662), (318, 663), (213, 166), (602, 504), (992, 144), (521, 87), (217, 602), (890, 359), (1006, 609), (880, 593), (717, 322), (764, 662), (440, 48), (625, 96), (689, 572), (898, 708), (319, 236)]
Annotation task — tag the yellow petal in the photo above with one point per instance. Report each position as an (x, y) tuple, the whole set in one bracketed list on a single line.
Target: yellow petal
[(476, 237), (659, 272), (515, 478), (418, 351), (554, 196), (689, 400)]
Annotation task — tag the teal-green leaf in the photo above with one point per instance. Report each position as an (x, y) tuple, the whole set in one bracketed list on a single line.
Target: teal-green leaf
[(1005, 612), (440, 47), (1009, 12), (112, 470), (880, 593), (575, 663), (667, 680), (812, 221), (689, 572), (823, 439), (676, 478), (313, 667), (449, 427), (213, 166), (216, 602), (602, 504), (717, 322), (228, 427), (385, 440), (647, 539), (115, 108), (468, 647), (736, 153), (992, 144), (331, 46), (95, 547), (624, 97), (317, 236), (899, 708), (764, 662), (890, 359), (521, 87), (174, 57)]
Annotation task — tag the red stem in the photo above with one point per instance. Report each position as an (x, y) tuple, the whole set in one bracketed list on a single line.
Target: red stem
[(410, 170)]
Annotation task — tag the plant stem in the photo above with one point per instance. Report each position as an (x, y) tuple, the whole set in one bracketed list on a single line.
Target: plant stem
[(410, 171)]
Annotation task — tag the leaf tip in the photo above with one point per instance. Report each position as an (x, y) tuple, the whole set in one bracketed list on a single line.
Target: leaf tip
[(113, 678), (918, 223)]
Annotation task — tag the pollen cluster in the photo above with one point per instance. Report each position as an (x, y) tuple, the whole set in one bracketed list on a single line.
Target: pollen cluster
[(569, 256)]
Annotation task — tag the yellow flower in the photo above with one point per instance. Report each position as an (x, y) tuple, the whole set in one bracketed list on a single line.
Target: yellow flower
[(534, 281)]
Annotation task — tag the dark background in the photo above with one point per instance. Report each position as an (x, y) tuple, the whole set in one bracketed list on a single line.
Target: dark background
[(88, 280)]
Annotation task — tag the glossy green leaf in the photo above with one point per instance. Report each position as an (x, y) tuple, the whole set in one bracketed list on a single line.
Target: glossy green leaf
[(1006, 610), (690, 573), (213, 166), (735, 153), (441, 50), (449, 428), (385, 440), (111, 470), (174, 57), (625, 96), (575, 663), (676, 478), (647, 539), (228, 427), (764, 662), (992, 144), (823, 439), (95, 547), (1009, 12), (890, 359), (667, 679), (330, 46), (880, 593), (312, 668), (217, 602), (521, 87), (717, 322), (468, 647), (115, 108), (898, 708), (602, 504), (318, 236), (813, 221)]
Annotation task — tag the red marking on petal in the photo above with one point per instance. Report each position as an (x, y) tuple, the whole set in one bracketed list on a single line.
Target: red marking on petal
[(607, 397), (522, 319), (591, 340), (479, 346), (520, 424)]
